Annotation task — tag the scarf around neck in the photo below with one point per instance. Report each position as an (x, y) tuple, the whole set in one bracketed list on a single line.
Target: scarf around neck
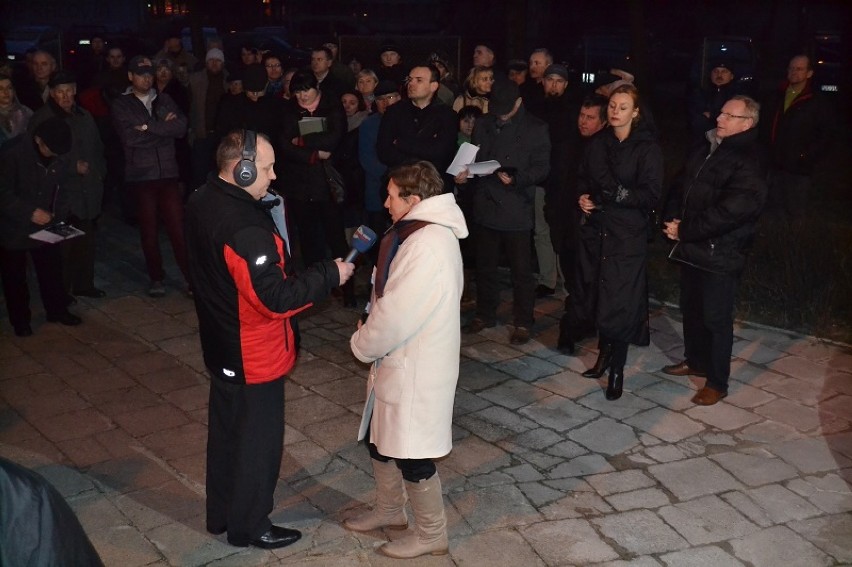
[(388, 248)]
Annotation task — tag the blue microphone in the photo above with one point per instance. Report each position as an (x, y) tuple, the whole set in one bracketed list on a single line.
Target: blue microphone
[(363, 239)]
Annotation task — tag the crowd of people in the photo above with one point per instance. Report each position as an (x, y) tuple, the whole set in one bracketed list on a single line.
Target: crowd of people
[(576, 192)]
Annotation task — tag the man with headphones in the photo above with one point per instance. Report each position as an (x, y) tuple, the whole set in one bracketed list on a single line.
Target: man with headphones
[(246, 294)]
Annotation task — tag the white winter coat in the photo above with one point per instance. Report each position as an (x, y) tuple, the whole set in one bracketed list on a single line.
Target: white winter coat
[(412, 337)]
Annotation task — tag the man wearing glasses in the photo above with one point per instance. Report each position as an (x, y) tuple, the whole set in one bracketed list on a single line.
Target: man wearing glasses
[(712, 219)]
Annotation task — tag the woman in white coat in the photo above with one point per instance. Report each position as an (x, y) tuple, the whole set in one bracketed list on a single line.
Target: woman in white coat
[(412, 337)]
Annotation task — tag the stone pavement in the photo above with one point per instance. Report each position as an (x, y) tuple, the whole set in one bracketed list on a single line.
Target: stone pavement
[(544, 471)]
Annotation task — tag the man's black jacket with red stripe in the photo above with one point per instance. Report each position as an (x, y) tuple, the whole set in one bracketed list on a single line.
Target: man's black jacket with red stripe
[(245, 293)]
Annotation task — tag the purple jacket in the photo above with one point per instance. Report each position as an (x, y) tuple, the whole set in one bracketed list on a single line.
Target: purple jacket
[(148, 154)]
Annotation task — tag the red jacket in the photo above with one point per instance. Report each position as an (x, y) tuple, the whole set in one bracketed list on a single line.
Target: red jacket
[(245, 293)]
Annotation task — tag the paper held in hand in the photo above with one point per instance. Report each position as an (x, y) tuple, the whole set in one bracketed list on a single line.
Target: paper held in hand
[(312, 125), (56, 233), (464, 159)]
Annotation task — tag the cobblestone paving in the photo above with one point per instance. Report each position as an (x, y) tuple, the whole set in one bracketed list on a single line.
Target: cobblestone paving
[(544, 470)]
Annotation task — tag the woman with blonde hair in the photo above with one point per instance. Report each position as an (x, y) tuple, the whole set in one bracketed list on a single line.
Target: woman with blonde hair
[(477, 90)]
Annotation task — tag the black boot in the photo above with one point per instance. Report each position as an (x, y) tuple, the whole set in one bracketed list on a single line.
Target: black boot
[(565, 343), (615, 383), (602, 364)]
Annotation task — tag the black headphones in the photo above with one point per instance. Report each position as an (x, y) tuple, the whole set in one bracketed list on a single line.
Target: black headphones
[(245, 172)]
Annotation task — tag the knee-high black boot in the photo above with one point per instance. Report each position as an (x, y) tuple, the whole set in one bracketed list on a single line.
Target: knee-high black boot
[(603, 362), (615, 383)]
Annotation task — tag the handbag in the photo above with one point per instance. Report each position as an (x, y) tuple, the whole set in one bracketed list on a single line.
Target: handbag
[(336, 184)]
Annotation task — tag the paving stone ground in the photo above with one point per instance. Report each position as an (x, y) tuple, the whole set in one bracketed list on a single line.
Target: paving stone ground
[(544, 471)]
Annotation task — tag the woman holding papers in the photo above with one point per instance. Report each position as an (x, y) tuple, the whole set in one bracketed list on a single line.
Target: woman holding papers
[(313, 127), (620, 182)]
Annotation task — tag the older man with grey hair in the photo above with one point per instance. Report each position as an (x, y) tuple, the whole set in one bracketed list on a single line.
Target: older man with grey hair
[(712, 219)]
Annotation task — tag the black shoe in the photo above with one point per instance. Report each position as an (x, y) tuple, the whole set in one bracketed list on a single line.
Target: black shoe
[(602, 364), (66, 319), (275, 537), (615, 384), (542, 290), (94, 293), (24, 331), (216, 530)]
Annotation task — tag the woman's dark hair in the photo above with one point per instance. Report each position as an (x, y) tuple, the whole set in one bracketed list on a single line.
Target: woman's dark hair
[(303, 81), (469, 111), (358, 97)]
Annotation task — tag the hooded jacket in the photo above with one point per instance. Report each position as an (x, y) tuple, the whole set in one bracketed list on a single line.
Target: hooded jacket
[(413, 338)]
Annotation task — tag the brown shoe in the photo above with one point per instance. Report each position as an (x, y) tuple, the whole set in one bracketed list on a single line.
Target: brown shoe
[(520, 336), (682, 369), (476, 324), (707, 396)]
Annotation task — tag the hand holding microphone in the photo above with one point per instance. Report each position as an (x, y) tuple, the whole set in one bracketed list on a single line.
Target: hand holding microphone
[(362, 240)]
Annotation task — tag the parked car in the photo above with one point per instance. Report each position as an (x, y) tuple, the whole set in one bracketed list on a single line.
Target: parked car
[(186, 38), (22, 39), (265, 40)]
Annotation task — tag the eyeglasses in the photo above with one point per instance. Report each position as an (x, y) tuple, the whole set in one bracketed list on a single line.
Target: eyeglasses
[(273, 65), (728, 116), (387, 97)]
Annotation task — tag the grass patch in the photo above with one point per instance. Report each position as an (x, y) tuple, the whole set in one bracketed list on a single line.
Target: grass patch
[(798, 277)]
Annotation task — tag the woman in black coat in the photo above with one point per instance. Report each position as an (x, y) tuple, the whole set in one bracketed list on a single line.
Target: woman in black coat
[(306, 158), (620, 183)]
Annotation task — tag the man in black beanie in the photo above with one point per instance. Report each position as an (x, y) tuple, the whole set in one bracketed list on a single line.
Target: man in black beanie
[(31, 198)]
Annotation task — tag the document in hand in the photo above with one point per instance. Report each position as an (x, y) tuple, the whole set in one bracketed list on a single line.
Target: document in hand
[(56, 233), (312, 125), (464, 159)]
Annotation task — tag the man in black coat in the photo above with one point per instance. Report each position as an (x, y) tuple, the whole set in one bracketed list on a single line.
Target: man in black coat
[(712, 219), (420, 128), (503, 206), (559, 113), (799, 136), (563, 214)]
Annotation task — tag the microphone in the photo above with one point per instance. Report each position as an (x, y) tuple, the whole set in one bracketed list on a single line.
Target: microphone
[(363, 239)]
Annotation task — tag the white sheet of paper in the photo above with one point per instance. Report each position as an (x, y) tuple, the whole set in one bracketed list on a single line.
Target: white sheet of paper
[(483, 167), (464, 157), (56, 233)]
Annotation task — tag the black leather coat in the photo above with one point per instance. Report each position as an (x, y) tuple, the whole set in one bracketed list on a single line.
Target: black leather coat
[(625, 180)]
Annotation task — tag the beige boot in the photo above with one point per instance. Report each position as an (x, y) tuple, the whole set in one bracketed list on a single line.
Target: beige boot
[(389, 511), (430, 536)]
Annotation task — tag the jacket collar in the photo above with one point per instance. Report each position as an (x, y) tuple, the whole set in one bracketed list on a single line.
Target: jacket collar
[(234, 192)]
